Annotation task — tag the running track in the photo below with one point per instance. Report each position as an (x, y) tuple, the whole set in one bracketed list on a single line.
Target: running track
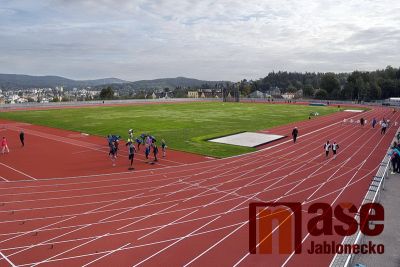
[(185, 213)]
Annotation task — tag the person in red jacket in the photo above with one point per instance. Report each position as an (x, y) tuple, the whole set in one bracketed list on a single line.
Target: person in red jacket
[(4, 146)]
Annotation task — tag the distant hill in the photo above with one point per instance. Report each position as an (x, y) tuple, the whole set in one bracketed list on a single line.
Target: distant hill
[(18, 81), (170, 83)]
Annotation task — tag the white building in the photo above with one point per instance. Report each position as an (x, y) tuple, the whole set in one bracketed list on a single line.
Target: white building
[(288, 95)]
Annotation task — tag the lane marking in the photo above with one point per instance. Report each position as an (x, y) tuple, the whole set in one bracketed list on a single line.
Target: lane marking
[(111, 252), (7, 259), (20, 172)]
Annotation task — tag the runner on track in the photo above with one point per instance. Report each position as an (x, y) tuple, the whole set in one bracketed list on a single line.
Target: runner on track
[(4, 146), (295, 132), (116, 144), (138, 142), (112, 153), (373, 122), (147, 147), (384, 126), (155, 149), (327, 146), (130, 133), (131, 152), (335, 147), (22, 138), (164, 148)]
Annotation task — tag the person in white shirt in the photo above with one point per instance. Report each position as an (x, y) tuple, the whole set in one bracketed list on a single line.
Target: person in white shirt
[(327, 146), (384, 126), (335, 147)]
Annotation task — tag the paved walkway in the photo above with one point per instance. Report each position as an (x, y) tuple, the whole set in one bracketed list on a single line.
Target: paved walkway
[(390, 199)]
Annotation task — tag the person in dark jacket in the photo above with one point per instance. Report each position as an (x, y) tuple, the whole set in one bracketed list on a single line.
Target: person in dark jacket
[(295, 132), (155, 149), (22, 138), (131, 152)]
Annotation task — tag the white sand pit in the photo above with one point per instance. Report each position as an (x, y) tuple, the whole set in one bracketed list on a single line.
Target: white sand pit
[(247, 139), (354, 110)]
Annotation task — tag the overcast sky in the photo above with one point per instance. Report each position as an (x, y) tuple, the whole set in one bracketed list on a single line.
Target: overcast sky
[(205, 39)]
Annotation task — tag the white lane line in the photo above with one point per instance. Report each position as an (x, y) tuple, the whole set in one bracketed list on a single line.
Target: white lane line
[(215, 244), (145, 217), (1, 177), (7, 259), (20, 172), (108, 254), (83, 151), (177, 241), (285, 195), (68, 250), (166, 225), (342, 189), (187, 209), (173, 239), (56, 237), (87, 212)]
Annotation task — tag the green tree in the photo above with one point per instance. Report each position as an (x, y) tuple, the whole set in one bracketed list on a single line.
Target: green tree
[(348, 91), (329, 82), (321, 94), (308, 90), (291, 89), (246, 89), (360, 88), (107, 93), (375, 91)]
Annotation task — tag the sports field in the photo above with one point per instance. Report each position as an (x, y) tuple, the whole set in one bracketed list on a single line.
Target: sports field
[(62, 203), (184, 126)]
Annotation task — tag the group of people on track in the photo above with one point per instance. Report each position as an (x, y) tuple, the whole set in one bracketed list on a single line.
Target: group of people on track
[(327, 146), (149, 142), (384, 123)]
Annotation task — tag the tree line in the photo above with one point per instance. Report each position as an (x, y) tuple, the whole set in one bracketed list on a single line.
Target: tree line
[(357, 85)]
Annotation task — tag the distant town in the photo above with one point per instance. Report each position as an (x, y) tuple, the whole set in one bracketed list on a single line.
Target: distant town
[(59, 94), (45, 95), (355, 86)]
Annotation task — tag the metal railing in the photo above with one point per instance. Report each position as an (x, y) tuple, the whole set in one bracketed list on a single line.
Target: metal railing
[(373, 195)]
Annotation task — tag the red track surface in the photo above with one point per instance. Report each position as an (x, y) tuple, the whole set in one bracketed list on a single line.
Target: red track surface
[(186, 210)]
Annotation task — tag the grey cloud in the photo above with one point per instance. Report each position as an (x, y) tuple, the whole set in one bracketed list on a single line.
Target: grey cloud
[(222, 39), (375, 36)]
